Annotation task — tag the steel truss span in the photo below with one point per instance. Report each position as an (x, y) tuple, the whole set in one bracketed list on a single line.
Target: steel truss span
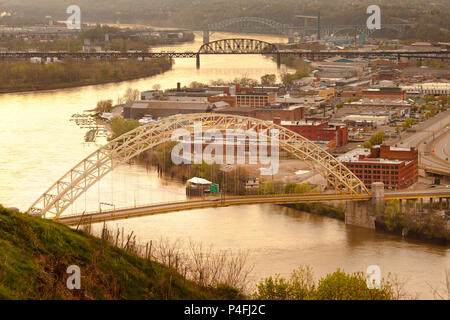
[(93, 168), (237, 46)]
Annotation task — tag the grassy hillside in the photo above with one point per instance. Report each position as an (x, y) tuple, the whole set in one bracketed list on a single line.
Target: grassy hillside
[(35, 254)]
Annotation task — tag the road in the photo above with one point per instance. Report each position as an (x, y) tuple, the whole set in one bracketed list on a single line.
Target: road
[(126, 213), (441, 145), (433, 134)]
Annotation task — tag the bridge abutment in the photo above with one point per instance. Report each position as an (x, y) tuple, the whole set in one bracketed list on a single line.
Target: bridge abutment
[(364, 213)]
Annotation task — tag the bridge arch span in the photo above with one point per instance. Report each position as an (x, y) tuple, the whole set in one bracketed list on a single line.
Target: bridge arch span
[(98, 164), (243, 21)]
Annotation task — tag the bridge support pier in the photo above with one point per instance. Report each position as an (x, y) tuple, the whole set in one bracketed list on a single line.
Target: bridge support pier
[(291, 38), (278, 60), (364, 213), (205, 36), (198, 61), (430, 209)]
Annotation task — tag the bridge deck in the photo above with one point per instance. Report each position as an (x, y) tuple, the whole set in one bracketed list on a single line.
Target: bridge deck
[(191, 54), (125, 213)]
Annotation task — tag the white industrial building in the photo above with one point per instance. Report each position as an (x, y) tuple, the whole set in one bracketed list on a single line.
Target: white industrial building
[(432, 88)]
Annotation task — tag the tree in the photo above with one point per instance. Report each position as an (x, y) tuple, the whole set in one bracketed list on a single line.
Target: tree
[(407, 123), (302, 188), (245, 81), (163, 154), (120, 126), (335, 286), (195, 84), (290, 187), (287, 78), (269, 79), (104, 106), (130, 95), (300, 286), (393, 215), (268, 187), (342, 286), (156, 86), (376, 139), (367, 145)]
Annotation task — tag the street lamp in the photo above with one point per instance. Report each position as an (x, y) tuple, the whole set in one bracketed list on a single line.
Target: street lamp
[(107, 204), (225, 169)]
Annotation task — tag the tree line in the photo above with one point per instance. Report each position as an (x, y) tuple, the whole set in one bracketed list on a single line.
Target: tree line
[(23, 75)]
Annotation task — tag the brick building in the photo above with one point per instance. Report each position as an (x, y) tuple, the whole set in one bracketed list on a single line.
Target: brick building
[(160, 109), (292, 113), (317, 131), (384, 93), (397, 168), (255, 99), (231, 100)]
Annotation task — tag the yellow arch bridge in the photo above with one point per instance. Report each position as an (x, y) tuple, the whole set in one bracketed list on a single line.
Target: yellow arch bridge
[(74, 183)]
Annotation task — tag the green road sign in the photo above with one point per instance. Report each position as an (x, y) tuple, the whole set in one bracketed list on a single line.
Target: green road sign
[(214, 188)]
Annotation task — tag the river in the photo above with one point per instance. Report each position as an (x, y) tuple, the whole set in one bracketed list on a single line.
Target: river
[(38, 144)]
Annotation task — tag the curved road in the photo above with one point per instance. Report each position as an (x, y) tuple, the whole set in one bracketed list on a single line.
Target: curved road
[(437, 128)]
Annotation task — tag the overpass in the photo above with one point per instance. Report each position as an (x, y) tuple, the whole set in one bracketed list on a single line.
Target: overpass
[(161, 208)]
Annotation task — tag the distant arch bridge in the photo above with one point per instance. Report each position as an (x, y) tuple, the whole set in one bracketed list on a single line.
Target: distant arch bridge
[(252, 24)]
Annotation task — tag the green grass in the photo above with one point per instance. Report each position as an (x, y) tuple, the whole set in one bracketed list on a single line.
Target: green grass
[(35, 254)]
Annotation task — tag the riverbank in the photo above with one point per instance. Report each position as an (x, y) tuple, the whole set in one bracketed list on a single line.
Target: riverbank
[(25, 76), (432, 228), (322, 209)]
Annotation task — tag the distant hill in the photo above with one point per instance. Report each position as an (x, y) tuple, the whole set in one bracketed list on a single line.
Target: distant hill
[(429, 19), (35, 254)]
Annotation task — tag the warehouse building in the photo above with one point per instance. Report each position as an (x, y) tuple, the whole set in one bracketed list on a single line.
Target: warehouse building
[(397, 168), (317, 131), (159, 109)]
